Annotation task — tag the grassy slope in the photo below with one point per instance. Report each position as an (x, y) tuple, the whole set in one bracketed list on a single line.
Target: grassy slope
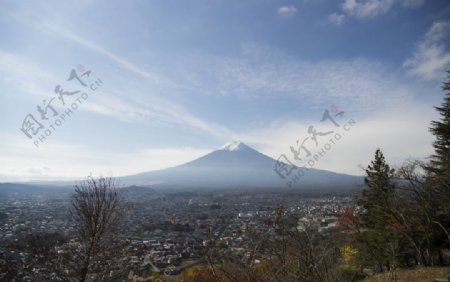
[(420, 274)]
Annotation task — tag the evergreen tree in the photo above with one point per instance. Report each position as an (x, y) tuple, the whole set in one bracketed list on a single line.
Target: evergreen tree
[(438, 180), (377, 199), (378, 179), (440, 162)]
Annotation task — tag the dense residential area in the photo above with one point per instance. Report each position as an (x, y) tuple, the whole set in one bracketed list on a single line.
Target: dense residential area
[(165, 233)]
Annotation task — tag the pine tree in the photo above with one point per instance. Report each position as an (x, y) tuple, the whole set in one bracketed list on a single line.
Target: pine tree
[(440, 163), (379, 182), (438, 180), (377, 199)]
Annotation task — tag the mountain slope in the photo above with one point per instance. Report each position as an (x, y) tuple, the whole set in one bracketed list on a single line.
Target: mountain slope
[(234, 165)]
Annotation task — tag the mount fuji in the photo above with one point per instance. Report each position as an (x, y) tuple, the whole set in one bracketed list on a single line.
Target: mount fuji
[(236, 165)]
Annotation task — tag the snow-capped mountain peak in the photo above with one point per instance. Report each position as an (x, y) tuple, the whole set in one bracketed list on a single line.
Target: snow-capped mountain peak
[(234, 165), (233, 146)]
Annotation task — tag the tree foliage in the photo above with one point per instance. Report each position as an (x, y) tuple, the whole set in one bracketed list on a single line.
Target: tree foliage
[(377, 200), (406, 212)]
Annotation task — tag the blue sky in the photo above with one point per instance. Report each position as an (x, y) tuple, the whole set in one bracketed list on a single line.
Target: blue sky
[(181, 78)]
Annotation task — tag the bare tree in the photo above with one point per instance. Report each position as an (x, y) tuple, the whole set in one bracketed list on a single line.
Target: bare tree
[(278, 252), (98, 210)]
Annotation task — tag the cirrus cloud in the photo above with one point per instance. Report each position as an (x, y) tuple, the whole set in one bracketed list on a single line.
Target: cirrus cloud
[(431, 58), (366, 9)]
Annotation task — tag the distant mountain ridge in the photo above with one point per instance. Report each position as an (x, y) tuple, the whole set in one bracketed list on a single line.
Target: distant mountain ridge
[(18, 191), (22, 191)]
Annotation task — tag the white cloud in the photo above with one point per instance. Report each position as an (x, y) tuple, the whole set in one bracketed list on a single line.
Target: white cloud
[(39, 170), (164, 107), (361, 84), (25, 75), (287, 11), (31, 78), (144, 107), (336, 19), (55, 30), (399, 135), (431, 58), (366, 9), (21, 161)]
